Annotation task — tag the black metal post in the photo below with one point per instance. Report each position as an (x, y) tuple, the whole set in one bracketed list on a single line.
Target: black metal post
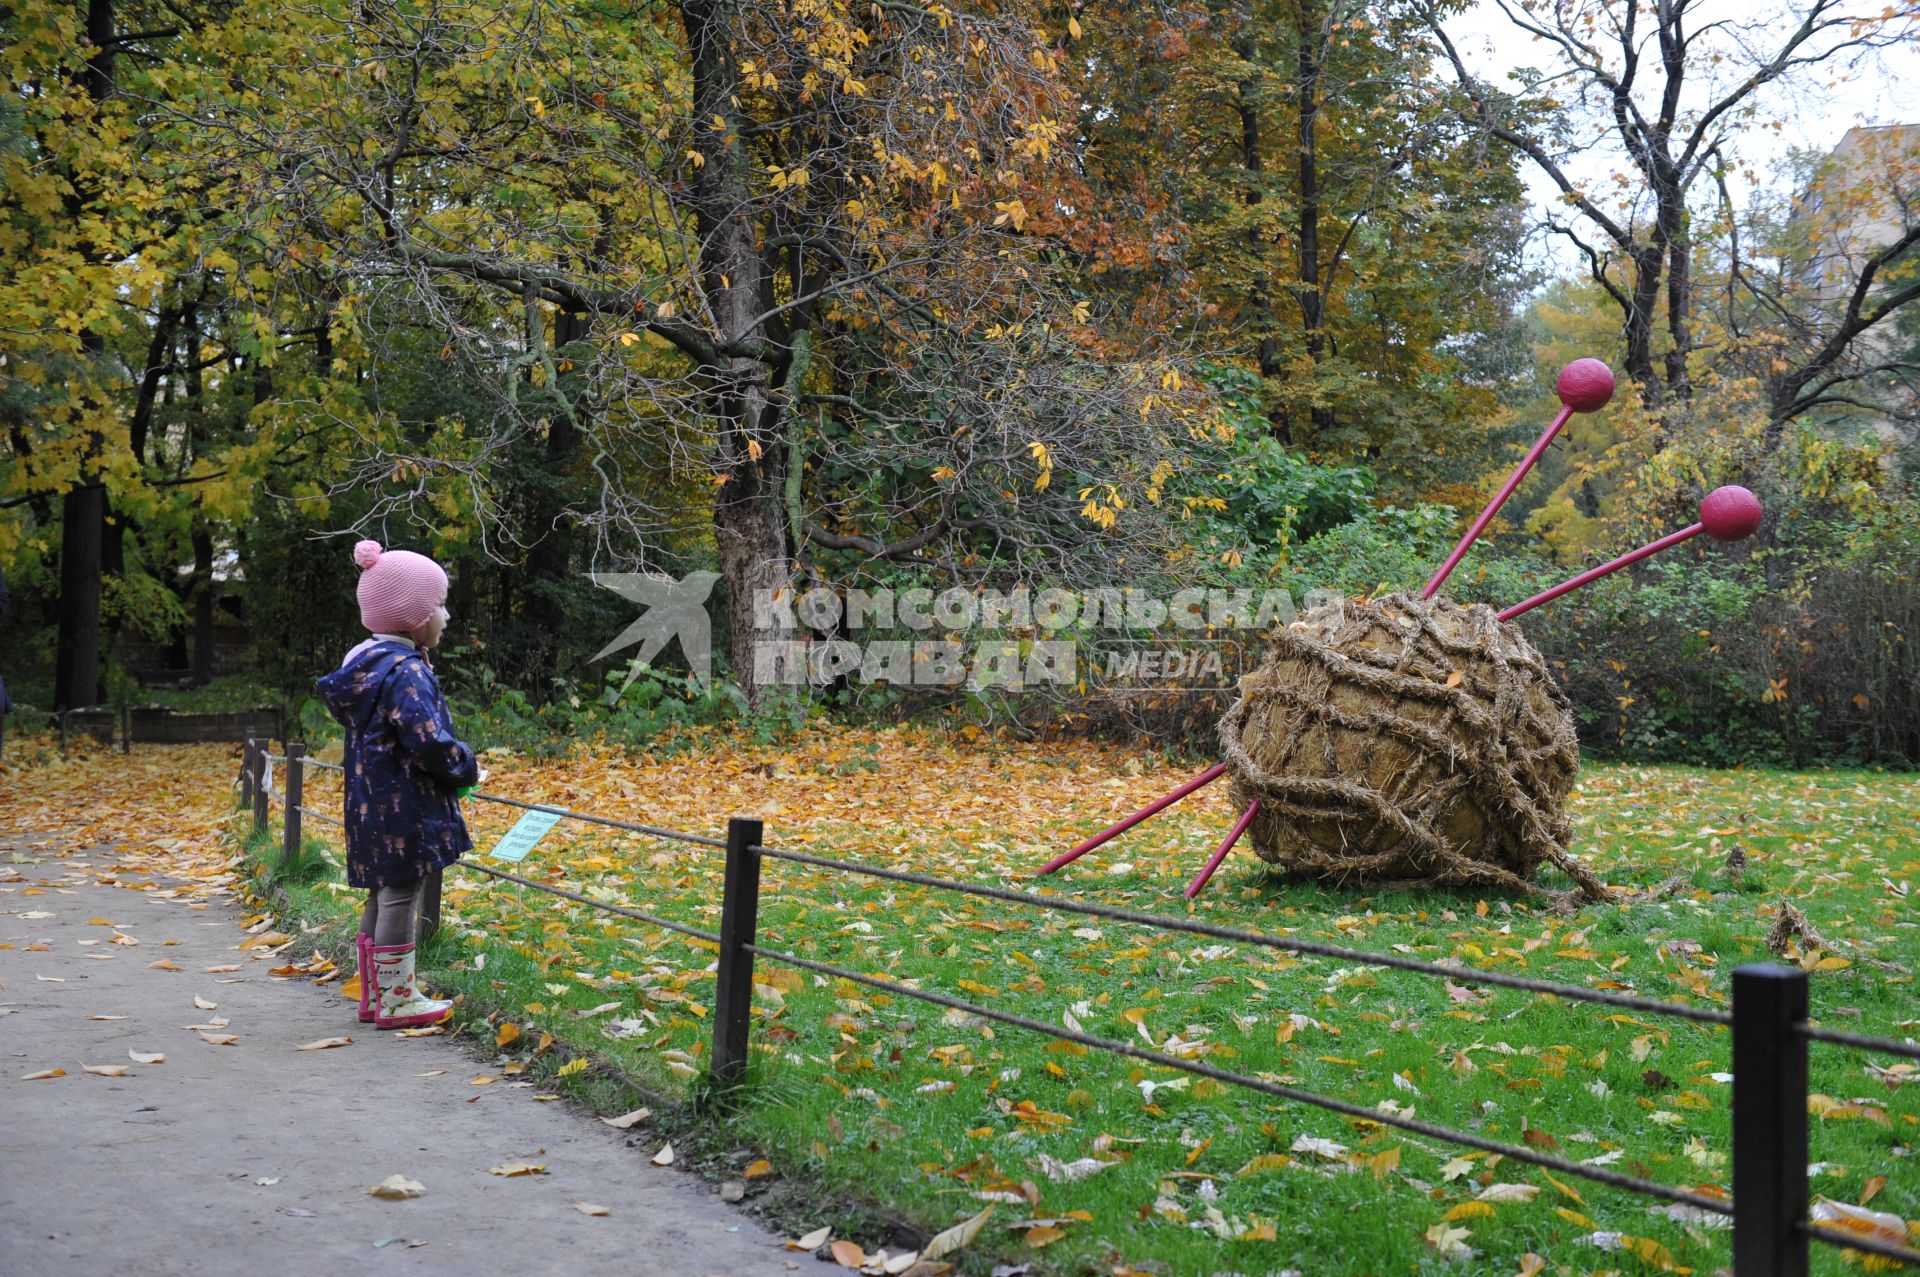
[(739, 917), (126, 730), (260, 787), (290, 827), (1769, 1122), (426, 918)]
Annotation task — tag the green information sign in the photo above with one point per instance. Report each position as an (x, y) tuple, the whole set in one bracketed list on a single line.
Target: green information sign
[(526, 832)]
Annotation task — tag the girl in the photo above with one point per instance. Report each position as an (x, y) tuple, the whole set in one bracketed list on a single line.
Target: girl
[(404, 771)]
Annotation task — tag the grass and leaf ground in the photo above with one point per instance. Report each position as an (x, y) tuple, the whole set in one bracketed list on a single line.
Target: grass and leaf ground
[(1099, 1163)]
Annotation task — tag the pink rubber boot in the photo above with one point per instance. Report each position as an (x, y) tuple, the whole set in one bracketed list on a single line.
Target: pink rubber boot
[(400, 1004), (363, 949)]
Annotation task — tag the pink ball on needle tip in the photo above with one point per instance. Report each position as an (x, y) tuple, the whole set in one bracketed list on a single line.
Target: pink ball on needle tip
[(1731, 513), (1585, 385)]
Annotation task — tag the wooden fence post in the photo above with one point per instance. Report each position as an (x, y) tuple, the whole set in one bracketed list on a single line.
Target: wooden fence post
[(290, 837), (739, 916), (1769, 1122)]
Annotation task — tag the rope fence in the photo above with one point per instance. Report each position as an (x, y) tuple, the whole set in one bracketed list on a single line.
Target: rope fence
[(1770, 1209)]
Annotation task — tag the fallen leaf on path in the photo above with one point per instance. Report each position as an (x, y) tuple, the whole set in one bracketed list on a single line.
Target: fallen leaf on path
[(432, 1073), (812, 1241), (664, 1157), (106, 1017), (106, 1070), (626, 1120), (757, 1168), (511, 1169), (267, 1181), (428, 1031), (43, 1074), (222, 969), (219, 1039), (397, 1188), (508, 1035), (483, 1080), (165, 964), (147, 1057), (958, 1237), (50, 979), (848, 1254), (204, 1004), (588, 1208), (324, 1044)]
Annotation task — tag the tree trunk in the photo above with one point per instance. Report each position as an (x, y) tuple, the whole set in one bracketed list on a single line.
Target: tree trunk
[(1309, 285), (84, 510), (204, 589), (749, 515), (549, 567), (77, 672), (1260, 290)]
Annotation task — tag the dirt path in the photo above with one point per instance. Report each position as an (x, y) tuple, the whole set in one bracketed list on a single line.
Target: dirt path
[(255, 1157)]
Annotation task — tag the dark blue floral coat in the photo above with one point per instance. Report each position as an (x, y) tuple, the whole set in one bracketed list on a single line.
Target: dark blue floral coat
[(404, 766)]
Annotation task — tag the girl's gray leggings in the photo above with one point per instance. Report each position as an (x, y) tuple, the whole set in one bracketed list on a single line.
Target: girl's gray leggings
[(388, 917)]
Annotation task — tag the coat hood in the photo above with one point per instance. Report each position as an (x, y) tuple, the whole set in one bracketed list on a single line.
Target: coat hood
[(352, 692)]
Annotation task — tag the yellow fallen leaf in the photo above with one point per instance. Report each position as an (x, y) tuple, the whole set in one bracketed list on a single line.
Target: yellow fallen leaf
[(42, 1075), (757, 1168), (1264, 1162), (106, 1070), (626, 1120), (588, 1208), (1045, 1235), (508, 1035), (812, 1241), (664, 1157), (1468, 1210), (397, 1188), (482, 1080), (219, 1039), (165, 964), (958, 1237), (848, 1254), (324, 1044), (222, 969), (147, 1057), (512, 1169)]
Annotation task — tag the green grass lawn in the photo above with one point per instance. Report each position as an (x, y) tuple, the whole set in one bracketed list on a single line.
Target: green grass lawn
[(1099, 1163)]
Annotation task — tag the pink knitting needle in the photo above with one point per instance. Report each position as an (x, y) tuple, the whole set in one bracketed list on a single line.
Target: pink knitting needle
[(1153, 808), (1585, 385), (1728, 514), (1239, 827)]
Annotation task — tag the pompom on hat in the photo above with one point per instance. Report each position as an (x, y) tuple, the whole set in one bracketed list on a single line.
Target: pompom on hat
[(398, 589)]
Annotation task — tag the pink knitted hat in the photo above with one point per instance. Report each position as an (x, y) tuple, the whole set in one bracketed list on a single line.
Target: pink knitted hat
[(398, 588)]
